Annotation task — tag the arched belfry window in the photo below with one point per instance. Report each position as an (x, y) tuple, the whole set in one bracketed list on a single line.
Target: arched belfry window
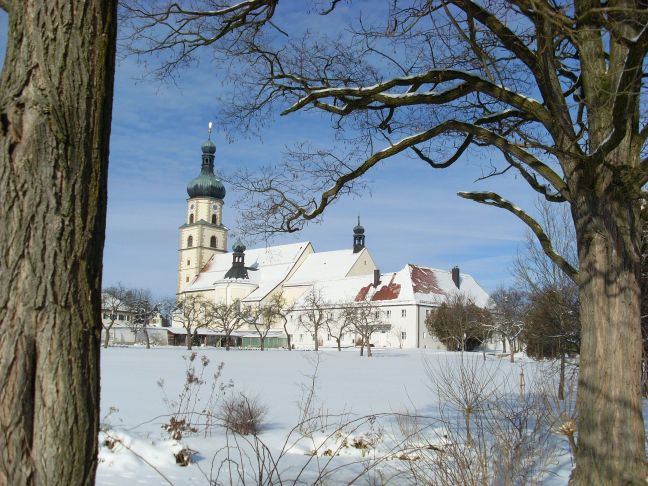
[(213, 219), (212, 242), (190, 241), (191, 219)]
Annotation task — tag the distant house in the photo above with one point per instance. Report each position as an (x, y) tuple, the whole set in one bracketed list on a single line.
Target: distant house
[(121, 331)]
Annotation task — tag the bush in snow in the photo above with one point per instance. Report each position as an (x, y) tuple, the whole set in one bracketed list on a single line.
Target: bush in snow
[(192, 412), (242, 414)]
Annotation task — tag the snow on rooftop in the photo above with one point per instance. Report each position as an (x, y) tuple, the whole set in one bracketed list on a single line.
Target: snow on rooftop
[(267, 267), (412, 284), (326, 265)]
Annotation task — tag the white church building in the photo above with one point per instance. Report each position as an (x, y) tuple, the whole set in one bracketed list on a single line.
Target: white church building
[(403, 298)]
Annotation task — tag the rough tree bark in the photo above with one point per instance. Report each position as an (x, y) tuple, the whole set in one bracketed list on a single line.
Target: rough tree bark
[(610, 427), (55, 110)]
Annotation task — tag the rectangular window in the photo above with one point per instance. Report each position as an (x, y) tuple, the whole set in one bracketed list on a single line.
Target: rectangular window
[(120, 317), (388, 314), (403, 335), (377, 314), (403, 312), (424, 334), (301, 338), (188, 262)]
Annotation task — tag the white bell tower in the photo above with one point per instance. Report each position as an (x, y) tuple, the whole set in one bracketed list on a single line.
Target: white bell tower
[(203, 233)]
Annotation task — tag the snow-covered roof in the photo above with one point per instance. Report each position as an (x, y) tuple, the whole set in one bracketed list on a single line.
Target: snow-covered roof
[(267, 268), (413, 284), (326, 265)]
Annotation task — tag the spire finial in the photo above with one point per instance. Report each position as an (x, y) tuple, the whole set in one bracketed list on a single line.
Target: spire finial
[(209, 129), (358, 220)]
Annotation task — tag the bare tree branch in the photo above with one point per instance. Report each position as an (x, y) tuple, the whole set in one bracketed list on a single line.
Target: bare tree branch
[(493, 199)]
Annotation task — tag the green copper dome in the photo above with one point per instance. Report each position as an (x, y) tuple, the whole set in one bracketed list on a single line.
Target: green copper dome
[(238, 246), (207, 184), (209, 147)]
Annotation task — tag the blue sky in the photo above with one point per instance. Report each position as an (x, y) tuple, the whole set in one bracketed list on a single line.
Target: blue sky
[(411, 213)]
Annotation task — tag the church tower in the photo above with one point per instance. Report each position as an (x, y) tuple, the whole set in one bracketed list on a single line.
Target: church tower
[(203, 233)]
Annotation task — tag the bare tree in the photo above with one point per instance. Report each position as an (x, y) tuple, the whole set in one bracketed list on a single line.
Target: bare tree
[(553, 327), (193, 312), (144, 309), (281, 310), (365, 317), (113, 300), (314, 313), (458, 323), (337, 326), (508, 307), (259, 317), (56, 93), (555, 88), (228, 318)]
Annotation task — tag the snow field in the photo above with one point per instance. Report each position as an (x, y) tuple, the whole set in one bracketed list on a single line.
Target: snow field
[(362, 393)]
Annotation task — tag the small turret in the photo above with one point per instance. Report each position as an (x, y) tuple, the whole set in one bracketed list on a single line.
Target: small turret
[(238, 270), (358, 237)]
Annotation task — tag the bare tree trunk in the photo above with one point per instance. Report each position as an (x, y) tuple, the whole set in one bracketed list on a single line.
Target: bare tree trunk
[(107, 338), (503, 345), (55, 111), (146, 337), (227, 342), (561, 382), (362, 347), (339, 344), (368, 348), (262, 342), (611, 447), (189, 340), (287, 337), (512, 348), (316, 339)]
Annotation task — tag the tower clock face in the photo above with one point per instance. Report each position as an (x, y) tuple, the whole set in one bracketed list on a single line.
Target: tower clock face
[(191, 207), (214, 207)]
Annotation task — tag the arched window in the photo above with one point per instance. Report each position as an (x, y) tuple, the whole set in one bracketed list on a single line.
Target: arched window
[(190, 241), (212, 242), (213, 219), (191, 219)]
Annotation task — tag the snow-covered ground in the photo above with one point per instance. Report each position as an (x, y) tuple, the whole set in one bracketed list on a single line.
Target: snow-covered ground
[(364, 394)]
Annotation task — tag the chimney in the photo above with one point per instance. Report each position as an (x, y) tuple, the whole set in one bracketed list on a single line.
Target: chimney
[(455, 276), (376, 277)]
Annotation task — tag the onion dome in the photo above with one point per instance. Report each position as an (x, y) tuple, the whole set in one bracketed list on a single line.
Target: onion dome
[(207, 184), (209, 147), (358, 229), (238, 246)]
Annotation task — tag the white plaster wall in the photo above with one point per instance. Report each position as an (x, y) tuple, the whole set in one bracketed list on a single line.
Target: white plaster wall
[(363, 266)]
